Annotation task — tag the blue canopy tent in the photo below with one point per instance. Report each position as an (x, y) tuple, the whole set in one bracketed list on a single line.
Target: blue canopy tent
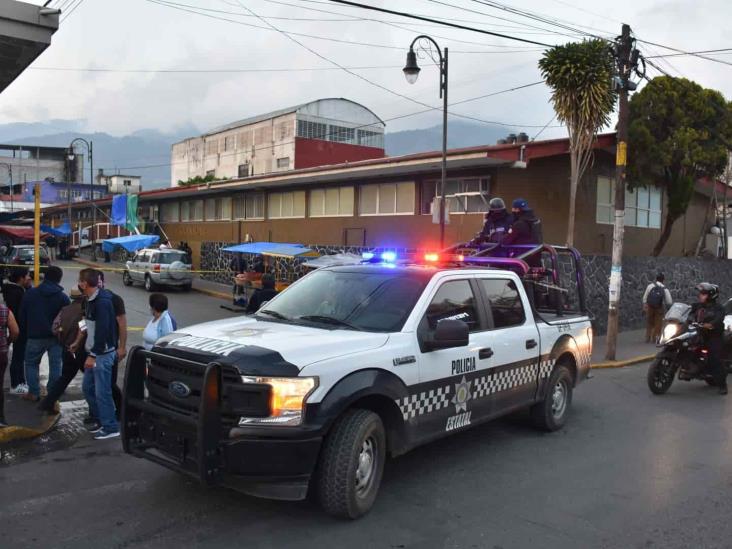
[(131, 243), (275, 249), (63, 230)]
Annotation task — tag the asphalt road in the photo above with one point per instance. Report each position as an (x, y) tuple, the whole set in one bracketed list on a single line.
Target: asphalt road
[(629, 470)]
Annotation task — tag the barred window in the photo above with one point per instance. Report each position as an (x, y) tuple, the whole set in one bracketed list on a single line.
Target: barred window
[(249, 206), (371, 139), (341, 134), (311, 130)]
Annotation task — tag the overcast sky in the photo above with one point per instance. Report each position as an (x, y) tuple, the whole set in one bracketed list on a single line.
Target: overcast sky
[(141, 34)]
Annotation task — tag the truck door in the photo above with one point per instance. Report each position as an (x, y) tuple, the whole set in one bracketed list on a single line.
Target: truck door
[(443, 400), (514, 340)]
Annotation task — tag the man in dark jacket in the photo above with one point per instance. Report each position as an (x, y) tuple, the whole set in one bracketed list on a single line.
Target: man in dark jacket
[(265, 293), (710, 315), (526, 228), (101, 344), (13, 291), (67, 330), (497, 222), (37, 312)]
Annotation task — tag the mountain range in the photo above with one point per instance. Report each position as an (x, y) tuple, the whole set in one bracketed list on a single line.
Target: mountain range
[(147, 152)]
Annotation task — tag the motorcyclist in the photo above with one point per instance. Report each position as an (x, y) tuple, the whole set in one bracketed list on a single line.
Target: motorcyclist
[(497, 222), (710, 316), (526, 228)]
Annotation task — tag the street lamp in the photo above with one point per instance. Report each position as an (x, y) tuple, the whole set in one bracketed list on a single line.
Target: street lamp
[(10, 176), (71, 158), (411, 73)]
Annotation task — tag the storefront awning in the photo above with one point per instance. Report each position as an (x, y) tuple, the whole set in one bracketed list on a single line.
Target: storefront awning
[(276, 249), (131, 243)]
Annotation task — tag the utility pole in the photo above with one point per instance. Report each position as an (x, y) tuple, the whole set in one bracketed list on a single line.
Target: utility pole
[(627, 58)]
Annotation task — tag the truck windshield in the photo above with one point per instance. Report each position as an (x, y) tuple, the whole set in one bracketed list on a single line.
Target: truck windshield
[(372, 302)]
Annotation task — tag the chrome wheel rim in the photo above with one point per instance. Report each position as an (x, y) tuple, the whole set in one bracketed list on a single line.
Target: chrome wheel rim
[(366, 466), (559, 398)]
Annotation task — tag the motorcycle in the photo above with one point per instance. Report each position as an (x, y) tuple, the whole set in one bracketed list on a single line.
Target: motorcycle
[(683, 351)]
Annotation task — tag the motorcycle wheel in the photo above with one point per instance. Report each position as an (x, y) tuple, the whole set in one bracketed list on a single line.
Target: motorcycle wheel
[(660, 375)]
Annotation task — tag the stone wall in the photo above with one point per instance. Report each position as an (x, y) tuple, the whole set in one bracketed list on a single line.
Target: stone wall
[(682, 274)]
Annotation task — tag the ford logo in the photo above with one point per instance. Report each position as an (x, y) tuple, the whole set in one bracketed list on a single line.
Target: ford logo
[(179, 389)]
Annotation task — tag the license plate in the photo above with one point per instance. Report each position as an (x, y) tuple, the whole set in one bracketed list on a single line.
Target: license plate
[(173, 444)]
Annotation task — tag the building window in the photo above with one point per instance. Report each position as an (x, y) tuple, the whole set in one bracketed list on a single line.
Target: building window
[(642, 206), (283, 162), (218, 209), (283, 205), (243, 170), (331, 202), (387, 199), (170, 212), (249, 206), (371, 139), (192, 210), (127, 182), (341, 134), (311, 130), (463, 196), (63, 194), (212, 147)]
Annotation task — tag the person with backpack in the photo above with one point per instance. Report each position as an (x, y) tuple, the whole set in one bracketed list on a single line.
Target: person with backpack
[(526, 228), (656, 299)]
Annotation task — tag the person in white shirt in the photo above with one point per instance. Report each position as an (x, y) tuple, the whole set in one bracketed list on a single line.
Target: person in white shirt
[(656, 299), (161, 324)]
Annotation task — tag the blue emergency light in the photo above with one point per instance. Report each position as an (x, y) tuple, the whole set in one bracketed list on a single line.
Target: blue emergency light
[(367, 256), (388, 257)]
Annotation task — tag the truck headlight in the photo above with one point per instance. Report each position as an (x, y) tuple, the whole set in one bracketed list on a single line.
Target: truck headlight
[(287, 399), (670, 331)]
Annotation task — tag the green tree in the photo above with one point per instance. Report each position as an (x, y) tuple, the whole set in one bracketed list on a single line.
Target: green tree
[(678, 133), (198, 180), (580, 76)]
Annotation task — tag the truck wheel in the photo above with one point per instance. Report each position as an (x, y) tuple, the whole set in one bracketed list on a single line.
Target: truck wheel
[(149, 284), (187, 287), (351, 464), (126, 278), (551, 413)]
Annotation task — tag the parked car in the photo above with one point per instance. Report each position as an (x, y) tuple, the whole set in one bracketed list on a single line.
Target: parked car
[(154, 268), (24, 255)]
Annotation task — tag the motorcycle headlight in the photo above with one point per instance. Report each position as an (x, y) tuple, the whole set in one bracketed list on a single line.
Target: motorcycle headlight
[(287, 399), (669, 332)]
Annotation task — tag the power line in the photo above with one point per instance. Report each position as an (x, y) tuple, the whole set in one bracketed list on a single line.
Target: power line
[(72, 10), (197, 71), (390, 119), (718, 51), (444, 23), (677, 50)]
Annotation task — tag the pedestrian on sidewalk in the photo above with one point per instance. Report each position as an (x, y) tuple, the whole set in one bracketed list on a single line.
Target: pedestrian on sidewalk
[(120, 313), (38, 310), (656, 299), (8, 332), (101, 341), (161, 323), (13, 291), (67, 328)]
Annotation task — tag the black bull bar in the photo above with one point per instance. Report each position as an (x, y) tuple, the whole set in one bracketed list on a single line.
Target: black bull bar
[(207, 459)]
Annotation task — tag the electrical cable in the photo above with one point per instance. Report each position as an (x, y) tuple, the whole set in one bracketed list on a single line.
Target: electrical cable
[(205, 71), (72, 10), (717, 51)]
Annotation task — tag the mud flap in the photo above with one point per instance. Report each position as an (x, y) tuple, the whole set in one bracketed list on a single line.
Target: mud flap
[(134, 389), (209, 425)]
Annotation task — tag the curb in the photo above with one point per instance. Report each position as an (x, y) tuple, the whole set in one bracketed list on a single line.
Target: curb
[(622, 363), (205, 291)]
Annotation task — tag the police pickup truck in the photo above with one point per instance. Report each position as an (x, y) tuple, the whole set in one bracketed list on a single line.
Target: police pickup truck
[(354, 363)]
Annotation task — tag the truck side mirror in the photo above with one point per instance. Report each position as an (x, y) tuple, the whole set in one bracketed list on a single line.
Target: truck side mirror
[(448, 334)]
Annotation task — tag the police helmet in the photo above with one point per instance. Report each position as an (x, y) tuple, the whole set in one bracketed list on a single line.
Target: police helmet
[(711, 290), (496, 205)]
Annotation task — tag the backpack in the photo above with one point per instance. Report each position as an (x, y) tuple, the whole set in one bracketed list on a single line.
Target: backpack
[(656, 297)]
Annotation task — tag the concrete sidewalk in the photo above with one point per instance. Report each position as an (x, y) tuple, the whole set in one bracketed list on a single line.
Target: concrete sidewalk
[(631, 349)]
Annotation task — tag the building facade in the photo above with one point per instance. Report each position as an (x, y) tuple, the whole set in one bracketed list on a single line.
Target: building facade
[(326, 131), (121, 184), (37, 163), (388, 202)]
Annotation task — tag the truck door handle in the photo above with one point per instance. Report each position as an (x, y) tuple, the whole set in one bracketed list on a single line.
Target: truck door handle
[(487, 352), (531, 343)]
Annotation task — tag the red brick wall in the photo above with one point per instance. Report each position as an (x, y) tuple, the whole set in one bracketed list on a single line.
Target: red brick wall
[(316, 152)]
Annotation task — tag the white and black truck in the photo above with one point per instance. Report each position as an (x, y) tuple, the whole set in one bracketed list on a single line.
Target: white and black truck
[(352, 364)]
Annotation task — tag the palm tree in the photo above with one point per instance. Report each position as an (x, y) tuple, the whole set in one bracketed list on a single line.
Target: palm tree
[(580, 76)]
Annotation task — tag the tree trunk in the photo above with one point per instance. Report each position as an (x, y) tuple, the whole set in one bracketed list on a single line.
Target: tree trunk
[(572, 197), (665, 234), (700, 244)]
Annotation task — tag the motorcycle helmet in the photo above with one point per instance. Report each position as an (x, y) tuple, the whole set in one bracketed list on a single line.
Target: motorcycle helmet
[(496, 205), (711, 290)]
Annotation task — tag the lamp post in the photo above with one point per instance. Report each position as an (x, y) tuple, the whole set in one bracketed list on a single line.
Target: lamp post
[(10, 176), (72, 157), (411, 72)]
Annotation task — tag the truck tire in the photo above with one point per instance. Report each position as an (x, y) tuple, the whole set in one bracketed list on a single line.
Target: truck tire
[(551, 413), (150, 286), (351, 464), (126, 278)]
